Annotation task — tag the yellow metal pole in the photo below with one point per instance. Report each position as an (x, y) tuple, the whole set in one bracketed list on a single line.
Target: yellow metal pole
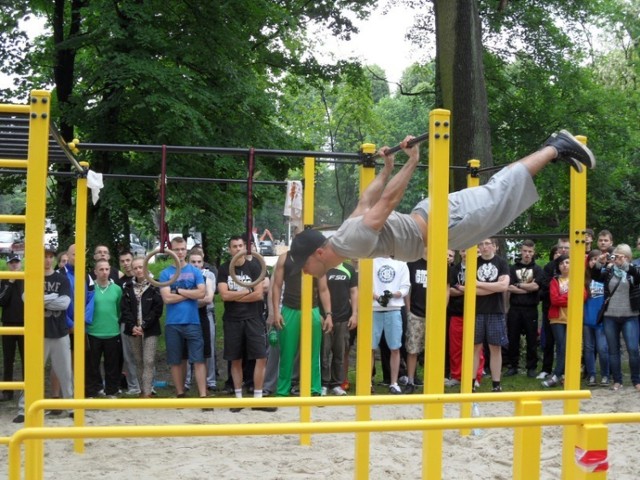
[(79, 300), (577, 226), (527, 443), (469, 314), (365, 336), (38, 155), (307, 302), (592, 451), (437, 241)]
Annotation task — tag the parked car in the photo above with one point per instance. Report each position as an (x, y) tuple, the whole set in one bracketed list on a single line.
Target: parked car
[(137, 249), (267, 248), (11, 243)]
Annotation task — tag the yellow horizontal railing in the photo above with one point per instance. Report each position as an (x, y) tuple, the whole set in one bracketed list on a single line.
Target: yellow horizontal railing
[(7, 275), (9, 163), (133, 403), (9, 108), (11, 330), (299, 428), (13, 218), (166, 403), (17, 385)]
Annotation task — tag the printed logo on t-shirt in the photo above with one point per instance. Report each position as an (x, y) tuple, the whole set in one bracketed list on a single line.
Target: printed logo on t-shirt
[(524, 275), (234, 287), (386, 274), (337, 277), (420, 278), (487, 272)]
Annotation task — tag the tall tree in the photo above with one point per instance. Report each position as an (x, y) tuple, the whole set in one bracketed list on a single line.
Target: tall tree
[(461, 84)]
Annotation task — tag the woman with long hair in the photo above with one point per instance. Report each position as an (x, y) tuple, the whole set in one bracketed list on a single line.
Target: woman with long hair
[(559, 295)]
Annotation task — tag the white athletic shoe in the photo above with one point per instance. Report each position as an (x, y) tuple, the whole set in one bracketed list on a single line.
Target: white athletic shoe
[(338, 391), (324, 391), (542, 375), (451, 382)]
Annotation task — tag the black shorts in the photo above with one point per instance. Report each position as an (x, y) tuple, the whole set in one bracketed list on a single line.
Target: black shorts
[(248, 336)]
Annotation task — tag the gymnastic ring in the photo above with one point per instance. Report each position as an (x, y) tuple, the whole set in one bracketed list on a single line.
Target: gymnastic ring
[(232, 269), (147, 274)]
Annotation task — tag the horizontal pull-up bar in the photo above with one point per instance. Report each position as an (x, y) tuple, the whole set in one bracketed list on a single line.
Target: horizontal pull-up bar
[(112, 147), (410, 143), (263, 152), (119, 176)]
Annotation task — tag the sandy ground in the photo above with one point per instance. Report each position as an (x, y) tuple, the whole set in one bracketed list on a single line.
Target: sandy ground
[(393, 455)]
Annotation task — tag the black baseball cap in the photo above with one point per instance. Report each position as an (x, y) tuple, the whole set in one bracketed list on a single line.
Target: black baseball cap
[(14, 257), (303, 246)]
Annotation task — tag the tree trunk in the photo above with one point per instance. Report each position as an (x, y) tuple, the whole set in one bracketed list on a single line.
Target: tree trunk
[(461, 86), (64, 76)]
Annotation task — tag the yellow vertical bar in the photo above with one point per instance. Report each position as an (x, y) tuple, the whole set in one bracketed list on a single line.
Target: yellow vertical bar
[(592, 438), (38, 155), (365, 337), (437, 241), (307, 304), (79, 301), (527, 443), (577, 226), (469, 315)]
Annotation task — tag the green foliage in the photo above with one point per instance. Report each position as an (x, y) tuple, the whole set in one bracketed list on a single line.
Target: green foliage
[(241, 74)]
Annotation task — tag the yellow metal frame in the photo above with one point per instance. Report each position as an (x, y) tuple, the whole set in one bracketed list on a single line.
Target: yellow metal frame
[(34, 219), (306, 330), (436, 309), (469, 313), (577, 230), (587, 431), (365, 336)]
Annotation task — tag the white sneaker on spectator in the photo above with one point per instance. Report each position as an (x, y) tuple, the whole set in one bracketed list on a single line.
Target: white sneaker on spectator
[(542, 375), (403, 380), (338, 391), (451, 382), (395, 389), (324, 391)]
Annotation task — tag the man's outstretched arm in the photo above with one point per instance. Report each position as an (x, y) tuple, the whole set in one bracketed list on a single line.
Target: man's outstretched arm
[(377, 215), (374, 190)]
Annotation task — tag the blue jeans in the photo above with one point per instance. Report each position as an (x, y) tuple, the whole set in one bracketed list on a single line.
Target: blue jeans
[(594, 340), (560, 336), (628, 326)]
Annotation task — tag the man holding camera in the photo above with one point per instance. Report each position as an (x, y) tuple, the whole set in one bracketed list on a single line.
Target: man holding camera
[(391, 283)]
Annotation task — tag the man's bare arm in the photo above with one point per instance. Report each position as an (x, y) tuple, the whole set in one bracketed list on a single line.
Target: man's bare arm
[(353, 321), (377, 215), (192, 294), (325, 299), (276, 290)]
